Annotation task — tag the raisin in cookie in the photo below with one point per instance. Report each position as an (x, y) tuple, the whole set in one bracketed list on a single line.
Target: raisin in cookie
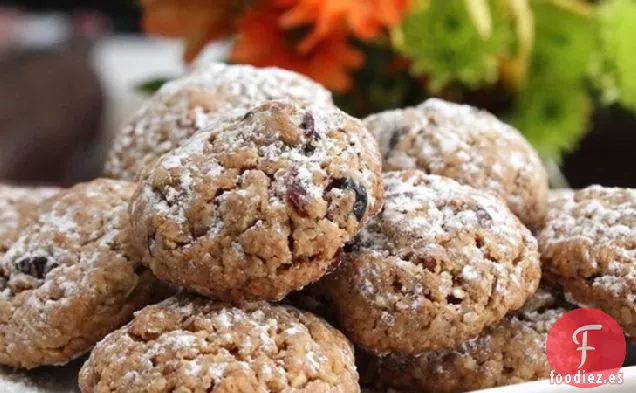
[(441, 262), (18, 209), (509, 352), (588, 246), (188, 344), (190, 103), (260, 206), (470, 146), (69, 280)]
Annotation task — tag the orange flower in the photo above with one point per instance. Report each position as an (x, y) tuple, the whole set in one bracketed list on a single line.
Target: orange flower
[(365, 18), (262, 42), (197, 21)]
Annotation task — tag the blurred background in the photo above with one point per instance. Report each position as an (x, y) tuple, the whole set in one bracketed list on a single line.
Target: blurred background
[(68, 71), (67, 74)]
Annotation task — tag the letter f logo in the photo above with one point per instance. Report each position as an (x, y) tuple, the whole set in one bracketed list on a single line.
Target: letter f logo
[(583, 345)]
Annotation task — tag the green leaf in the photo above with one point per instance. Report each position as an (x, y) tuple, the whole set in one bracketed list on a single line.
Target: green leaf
[(443, 42), (150, 86), (618, 39), (553, 116), (565, 42)]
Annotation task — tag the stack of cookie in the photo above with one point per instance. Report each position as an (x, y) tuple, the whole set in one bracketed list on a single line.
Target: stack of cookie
[(240, 202)]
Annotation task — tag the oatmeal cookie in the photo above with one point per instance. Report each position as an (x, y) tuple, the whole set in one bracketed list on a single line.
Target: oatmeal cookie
[(18, 209), (259, 207), (588, 246), (441, 262), (188, 344), (511, 351), (193, 102), (471, 146), (69, 279)]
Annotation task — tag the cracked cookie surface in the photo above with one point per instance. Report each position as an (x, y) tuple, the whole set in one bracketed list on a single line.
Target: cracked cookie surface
[(69, 279), (471, 146), (508, 352), (195, 101), (588, 246), (440, 263), (196, 345), (18, 209), (260, 206)]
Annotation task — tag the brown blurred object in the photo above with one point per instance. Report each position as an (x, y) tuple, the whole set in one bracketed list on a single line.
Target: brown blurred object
[(50, 116)]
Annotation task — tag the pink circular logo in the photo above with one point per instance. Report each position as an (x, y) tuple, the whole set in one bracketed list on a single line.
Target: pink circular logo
[(586, 349)]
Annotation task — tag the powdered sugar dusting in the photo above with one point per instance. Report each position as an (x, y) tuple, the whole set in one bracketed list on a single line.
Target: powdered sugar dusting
[(246, 85), (236, 135), (72, 227), (510, 350), (600, 223), (277, 167), (272, 342), (68, 277), (441, 250), (18, 206), (468, 145), (197, 101)]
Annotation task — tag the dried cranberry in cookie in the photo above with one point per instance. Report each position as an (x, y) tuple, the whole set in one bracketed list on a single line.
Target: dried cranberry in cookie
[(259, 206), (197, 345), (473, 147), (69, 279), (506, 353), (440, 263), (18, 210), (193, 102), (588, 246)]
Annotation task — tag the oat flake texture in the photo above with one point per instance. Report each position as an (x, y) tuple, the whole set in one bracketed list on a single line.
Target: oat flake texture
[(440, 263), (260, 205), (190, 344), (192, 102), (18, 210), (69, 279), (506, 353), (589, 247), (471, 146)]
